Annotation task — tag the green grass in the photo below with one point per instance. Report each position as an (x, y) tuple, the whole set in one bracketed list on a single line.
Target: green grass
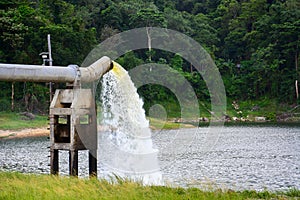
[(162, 124), (15, 121), (267, 108), (23, 186)]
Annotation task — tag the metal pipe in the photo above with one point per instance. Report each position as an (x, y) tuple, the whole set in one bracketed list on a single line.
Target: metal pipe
[(36, 73), (96, 70), (39, 73)]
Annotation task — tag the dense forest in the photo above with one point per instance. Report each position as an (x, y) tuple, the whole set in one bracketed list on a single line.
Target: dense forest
[(254, 43)]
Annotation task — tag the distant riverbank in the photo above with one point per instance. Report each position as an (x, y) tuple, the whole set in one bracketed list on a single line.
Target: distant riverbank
[(28, 132), (155, 124)]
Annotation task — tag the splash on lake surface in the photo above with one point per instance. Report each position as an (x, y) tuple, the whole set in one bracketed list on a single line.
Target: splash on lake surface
[(126, 146)]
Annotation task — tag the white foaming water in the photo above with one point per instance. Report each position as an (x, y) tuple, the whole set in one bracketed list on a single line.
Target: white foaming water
[(126, 145)]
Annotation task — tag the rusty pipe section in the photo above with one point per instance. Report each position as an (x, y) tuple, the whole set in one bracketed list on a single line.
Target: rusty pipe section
[(39, 73)]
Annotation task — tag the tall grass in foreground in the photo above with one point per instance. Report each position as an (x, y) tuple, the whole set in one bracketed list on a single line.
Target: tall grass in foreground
[(24, 186)]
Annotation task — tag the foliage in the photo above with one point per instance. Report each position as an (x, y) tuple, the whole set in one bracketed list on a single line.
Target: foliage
[(255, 43)]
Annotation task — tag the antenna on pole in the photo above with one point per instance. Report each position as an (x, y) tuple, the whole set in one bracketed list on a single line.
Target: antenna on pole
[(49, 50), (50, 64)]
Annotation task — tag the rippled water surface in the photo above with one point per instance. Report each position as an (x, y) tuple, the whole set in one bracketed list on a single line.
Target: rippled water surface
[(238, 158)]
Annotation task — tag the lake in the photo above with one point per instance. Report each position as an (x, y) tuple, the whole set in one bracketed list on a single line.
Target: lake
[(235, 157)]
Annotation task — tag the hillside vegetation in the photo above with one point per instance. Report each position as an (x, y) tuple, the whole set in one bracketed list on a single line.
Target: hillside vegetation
[(254, 43)]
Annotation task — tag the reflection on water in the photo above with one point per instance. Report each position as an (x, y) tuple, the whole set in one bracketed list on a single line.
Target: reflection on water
[(243, 158)]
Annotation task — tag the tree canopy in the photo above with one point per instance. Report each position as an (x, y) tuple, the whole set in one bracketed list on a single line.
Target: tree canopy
[(255, 43)]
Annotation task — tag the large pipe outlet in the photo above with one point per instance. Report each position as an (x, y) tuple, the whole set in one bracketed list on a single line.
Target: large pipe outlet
[(39, 73), (96, 70)]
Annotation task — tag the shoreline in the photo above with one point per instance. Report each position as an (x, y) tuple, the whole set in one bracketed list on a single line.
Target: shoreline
[(43, 132), (24, 133)]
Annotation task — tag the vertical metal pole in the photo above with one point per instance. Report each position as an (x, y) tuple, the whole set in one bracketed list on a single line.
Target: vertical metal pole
[(54, 164), (13, 96), (50, 63)]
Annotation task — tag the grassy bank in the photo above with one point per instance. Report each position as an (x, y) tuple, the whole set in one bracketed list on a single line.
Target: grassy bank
[(162, 124), (265, 107), (21, 186), (238, 110), (246, 110), (16, 121)]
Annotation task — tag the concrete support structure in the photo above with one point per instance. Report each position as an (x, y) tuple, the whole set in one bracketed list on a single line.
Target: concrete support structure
[(73, 127), (73, 121)]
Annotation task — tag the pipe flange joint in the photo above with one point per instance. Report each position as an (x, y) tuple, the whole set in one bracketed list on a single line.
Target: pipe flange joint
[(77, 82)]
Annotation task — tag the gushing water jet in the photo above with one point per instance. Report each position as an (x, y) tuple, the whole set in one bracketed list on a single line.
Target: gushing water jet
[(126, 146)]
